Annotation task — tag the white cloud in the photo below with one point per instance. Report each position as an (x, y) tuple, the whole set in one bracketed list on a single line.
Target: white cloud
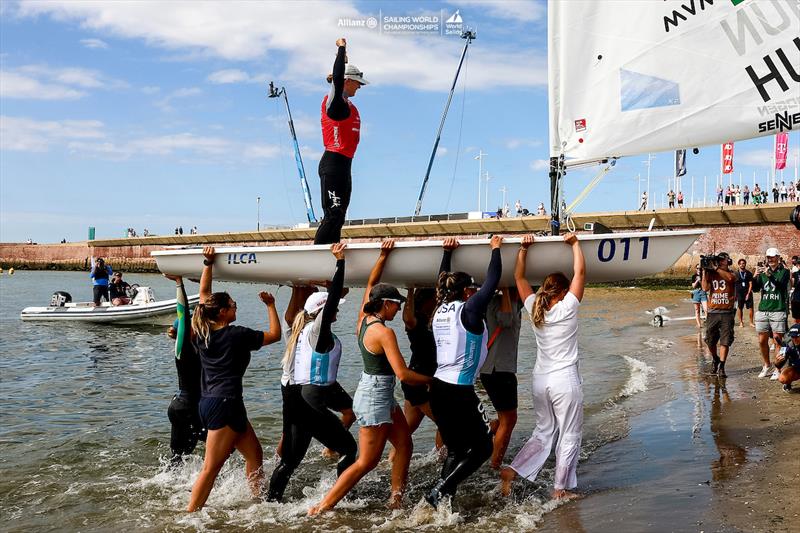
[(41, 82), (90, 138), (229, 76), (514, 143), (22, 134), (235, 31), (520, 10), (151, 89), (14, 85), (441, 151), (94, 43), (540, 164), (165, 104)]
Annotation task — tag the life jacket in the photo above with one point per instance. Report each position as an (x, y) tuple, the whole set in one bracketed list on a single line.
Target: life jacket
[(312, 367), (341, 136)]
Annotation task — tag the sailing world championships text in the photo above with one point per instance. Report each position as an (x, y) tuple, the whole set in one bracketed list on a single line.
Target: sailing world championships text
[(420, 23)]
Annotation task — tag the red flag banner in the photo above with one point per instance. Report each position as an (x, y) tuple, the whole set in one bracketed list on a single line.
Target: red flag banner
[(781, 150), (727, 158)]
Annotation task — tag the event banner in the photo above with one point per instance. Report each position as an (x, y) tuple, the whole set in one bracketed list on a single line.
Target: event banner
[(632, 77), (727, 158), (781, 150)]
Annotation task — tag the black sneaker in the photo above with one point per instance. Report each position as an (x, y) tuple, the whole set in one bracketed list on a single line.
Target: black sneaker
[(787, 387), (714, 366)]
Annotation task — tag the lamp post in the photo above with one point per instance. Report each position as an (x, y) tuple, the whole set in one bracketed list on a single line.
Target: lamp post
[(480, 157), (258, 213), (649, 162)]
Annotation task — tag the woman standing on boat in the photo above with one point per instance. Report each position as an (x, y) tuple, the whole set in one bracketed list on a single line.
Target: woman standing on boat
[(377, 412), (459, 326), (341, 130), (557, 390), (310, 368), (224, 356)]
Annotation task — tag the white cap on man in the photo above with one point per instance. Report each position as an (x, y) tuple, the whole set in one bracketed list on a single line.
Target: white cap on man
[(773, 252)]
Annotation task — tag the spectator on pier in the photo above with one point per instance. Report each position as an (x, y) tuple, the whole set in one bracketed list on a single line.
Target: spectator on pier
[(146, 233), (541, 210), (746, 195), (783, 192), (734, 195), (728, 195), (719, 194), (518, 208), (643, 205), (680, 199), (792, 192), (671, 198), (119, 290), (764, 196), (180, 230), (775, 193)]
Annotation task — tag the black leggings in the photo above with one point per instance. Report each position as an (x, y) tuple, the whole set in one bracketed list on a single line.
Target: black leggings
[(335, 185), (186, 426), (305, 417), (465, 431)]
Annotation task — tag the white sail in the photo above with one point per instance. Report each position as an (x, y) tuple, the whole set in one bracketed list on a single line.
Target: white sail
[(630, 77)]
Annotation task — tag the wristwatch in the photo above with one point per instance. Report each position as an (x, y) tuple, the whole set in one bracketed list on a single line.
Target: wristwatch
[(207, 263)]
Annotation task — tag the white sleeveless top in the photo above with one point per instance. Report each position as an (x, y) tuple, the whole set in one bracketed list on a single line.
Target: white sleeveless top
[(312, 367), (459, 353)]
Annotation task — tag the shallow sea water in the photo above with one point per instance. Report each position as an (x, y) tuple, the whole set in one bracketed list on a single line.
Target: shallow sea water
[(85, 435)]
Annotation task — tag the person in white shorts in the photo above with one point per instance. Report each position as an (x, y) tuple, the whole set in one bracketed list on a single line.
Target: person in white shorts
[(772, 280), (557, 390)]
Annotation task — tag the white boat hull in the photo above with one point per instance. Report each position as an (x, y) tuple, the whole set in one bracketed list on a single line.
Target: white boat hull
[(154, 313), (609, 257)]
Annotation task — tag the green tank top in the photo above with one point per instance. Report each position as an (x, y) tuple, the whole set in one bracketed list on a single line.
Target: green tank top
[(374, 364), (772, 298)]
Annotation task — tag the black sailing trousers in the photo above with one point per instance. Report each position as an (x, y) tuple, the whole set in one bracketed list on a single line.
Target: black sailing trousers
[(335, 187)]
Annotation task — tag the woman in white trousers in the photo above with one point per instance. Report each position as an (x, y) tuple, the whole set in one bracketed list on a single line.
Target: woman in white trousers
[(557, 391)]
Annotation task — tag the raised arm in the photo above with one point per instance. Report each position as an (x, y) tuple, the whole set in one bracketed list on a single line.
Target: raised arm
[(409, 318), (578, 266), (325, 338), (274, 333), (388, 341), (183, 335), (336, 107), (474, 311), (523, 287), (449, 244), (205, 279), (375, 275), (300, 294)]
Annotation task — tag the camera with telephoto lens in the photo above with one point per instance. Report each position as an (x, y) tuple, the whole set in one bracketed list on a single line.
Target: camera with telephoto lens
[(712, 262)]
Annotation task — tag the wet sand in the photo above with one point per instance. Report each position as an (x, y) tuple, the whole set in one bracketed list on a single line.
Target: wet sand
[(713, 455)]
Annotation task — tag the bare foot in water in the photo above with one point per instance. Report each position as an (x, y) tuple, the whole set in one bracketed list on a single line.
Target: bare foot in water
[(327, 453), (563, 494), (315, 510), (395, 501), (507, 476)]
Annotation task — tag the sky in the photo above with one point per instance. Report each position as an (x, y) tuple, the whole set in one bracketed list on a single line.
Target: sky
[(154, 115)]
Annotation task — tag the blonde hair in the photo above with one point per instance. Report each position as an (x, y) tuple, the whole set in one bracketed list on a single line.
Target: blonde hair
[(553, 285), (207, 313), (301, 320)]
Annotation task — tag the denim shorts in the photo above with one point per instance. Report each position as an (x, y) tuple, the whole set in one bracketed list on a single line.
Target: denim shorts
[(699, 295), (374, 401)]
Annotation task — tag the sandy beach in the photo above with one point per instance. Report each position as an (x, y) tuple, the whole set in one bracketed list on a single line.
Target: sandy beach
[(716, 455)]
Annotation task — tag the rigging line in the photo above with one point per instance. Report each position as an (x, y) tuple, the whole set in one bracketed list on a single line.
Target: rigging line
[(283, 168), (460, 129), (585, 192)]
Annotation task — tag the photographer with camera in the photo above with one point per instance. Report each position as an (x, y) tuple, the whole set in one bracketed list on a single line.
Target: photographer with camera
[(720, 284), (772, 280)]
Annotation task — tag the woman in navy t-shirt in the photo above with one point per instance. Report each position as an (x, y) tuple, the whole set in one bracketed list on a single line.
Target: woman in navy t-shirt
[(224, 355)]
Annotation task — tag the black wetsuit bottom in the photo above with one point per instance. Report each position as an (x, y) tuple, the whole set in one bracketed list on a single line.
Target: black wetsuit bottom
[(307, 416), (335, 184), (465, 431), (187, 429), (99, 292)]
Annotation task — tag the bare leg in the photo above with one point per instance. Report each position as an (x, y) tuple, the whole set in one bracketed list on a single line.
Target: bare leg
[(371, 441), (219, 446), (752, 322), (426, 408), (697, 315), (507, 420), (400, 437), (248, 445), (777, 339), (763, 345)]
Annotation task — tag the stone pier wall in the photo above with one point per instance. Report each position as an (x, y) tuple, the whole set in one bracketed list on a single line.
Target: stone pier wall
[(748, 241)]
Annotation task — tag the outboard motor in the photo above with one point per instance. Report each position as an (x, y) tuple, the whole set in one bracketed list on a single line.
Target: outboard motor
[(60, 299)]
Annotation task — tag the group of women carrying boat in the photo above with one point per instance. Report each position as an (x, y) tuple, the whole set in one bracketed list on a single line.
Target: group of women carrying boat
[(449, 342)]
